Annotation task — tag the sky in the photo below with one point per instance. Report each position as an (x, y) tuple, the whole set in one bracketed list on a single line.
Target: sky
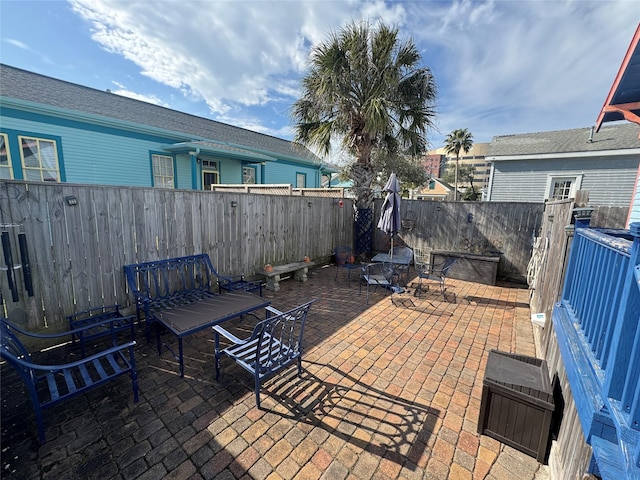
[(501, 67)]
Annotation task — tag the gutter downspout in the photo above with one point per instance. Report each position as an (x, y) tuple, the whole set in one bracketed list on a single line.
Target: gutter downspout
[(194, 169)]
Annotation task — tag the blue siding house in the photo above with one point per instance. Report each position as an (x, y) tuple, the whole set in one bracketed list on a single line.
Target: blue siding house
[(56, 131)]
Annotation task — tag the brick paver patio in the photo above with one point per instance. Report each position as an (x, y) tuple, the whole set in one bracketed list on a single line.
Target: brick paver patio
[(390, 390)]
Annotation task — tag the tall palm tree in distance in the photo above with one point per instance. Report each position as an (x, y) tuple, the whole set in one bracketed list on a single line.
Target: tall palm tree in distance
[(457, 141), (365, 89)]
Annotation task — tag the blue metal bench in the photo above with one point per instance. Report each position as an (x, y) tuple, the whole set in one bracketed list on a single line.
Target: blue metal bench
[(49, 385), (275, 344), (163, 284)]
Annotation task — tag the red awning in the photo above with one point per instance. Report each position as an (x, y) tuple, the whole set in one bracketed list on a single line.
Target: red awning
[(623, 101)]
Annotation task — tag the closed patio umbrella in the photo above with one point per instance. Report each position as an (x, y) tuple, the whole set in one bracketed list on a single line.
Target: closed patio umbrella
[(389, 221)]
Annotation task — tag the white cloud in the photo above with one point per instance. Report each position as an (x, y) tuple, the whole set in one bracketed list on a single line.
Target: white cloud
[(228, 53), (512, 67), (501, 66), (125, 92), (18, 43)]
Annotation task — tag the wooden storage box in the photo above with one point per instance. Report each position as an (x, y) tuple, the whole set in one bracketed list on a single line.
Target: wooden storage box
[(470, 266), (517, 403)]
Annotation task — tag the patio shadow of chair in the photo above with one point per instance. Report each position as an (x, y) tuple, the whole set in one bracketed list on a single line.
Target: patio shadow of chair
[(424, 293), (369, 418), (417, 304), (494, 302)]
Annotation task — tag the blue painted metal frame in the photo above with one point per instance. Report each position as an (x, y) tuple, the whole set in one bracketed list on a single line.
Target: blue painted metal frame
[(160, 284), (274, 345), (597, 323), (49, 385)]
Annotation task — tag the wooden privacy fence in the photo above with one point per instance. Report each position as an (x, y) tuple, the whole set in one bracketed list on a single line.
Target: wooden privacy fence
[(488, 228), (80, 236)]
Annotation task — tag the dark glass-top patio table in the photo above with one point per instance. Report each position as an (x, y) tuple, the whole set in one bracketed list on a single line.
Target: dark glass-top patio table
[(397, 260), (188, 319)]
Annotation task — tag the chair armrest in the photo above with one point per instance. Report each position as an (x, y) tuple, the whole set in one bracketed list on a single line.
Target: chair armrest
[(75, 331), (273, 310), (228, 335), (115, 308), (104, 353), (230, 279), (226, 279)]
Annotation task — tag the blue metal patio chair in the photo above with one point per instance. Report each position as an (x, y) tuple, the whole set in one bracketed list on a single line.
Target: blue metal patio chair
[(437, 273), (51, 384), (344, 259), (402, 252), (275, 344), (379, 274)]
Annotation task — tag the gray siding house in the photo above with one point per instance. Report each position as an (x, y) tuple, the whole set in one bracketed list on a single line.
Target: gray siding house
[(535, 167)]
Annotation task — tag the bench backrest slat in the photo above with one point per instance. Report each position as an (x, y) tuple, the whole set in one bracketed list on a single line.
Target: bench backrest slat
[(163, 280)]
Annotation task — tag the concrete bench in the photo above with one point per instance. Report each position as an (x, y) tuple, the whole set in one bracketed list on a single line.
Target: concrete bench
[(273, 277)]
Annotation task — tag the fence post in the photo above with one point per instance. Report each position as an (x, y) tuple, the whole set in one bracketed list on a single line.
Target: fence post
[(582, 216)]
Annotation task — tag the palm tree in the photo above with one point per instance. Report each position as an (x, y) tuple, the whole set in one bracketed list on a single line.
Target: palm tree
[(458, 140), (365, 89)]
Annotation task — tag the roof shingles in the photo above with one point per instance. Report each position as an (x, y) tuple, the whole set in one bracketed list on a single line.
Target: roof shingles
[(28, 86), (613, 137)]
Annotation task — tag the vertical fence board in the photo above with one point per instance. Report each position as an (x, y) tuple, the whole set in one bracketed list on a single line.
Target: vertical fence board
[(107, 237), (123, 218), (60, 267), (76, 219)]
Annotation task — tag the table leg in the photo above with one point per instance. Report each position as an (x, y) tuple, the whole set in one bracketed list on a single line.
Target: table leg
[(158, 342), (181, 360), (217, 352)]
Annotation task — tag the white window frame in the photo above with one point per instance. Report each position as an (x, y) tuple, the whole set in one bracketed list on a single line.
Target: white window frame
[(252, 176), (301, 178), (6, 167), (163, 171), (576, 183), (210, 167), (46, 167)]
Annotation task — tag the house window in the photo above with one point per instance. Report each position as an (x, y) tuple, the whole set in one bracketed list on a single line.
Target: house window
[(39, 159), (210, 174), (6, 170), (162, 171), (562, 188), (249, 175), (301, 180)]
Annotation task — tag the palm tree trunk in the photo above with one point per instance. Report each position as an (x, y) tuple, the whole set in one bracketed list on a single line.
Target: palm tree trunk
[(362, 175), (455, 187)]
